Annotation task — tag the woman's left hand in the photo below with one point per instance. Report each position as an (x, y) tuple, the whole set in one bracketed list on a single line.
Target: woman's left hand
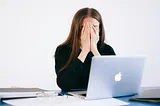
[(94, 40)]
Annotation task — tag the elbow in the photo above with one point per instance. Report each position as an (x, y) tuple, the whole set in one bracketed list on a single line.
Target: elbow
[(63, 84)]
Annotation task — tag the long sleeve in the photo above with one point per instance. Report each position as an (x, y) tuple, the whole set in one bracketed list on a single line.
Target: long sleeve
[(68, 78), (76, 75)]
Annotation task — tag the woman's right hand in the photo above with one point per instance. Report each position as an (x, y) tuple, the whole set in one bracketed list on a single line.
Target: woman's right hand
[(85, 37)]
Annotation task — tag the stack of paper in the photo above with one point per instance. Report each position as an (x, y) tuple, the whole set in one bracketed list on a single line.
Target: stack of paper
[(12, 93)]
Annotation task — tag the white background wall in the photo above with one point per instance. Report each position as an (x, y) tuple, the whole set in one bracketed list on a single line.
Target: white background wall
[(30, 30)]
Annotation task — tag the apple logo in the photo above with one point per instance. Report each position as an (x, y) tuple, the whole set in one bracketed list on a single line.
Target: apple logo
[(118, 76)]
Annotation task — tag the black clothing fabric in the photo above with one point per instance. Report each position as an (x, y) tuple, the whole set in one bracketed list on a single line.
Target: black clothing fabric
[(76, 75)]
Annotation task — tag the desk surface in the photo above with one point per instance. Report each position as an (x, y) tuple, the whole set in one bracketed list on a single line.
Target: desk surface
[(4, 104), (125, 99), (136, 103), (132, 103)]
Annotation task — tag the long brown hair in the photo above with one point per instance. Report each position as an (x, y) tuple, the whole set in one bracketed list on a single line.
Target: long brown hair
[(75, 32)]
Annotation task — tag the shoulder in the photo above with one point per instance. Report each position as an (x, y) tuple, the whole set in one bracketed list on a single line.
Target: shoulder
[(63, 49), (107, 49), (107, 46)]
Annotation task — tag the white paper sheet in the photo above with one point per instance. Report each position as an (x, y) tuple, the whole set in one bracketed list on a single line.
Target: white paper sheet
[(60, 101)]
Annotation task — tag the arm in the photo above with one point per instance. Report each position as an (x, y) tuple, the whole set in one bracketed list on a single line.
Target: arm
[(82, 55), (96, 52), (68, 78)]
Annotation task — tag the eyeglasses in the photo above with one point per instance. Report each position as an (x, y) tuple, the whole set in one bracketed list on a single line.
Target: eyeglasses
[(52, 94)]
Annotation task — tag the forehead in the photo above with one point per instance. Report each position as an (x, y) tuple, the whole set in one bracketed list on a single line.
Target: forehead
[(90, 20)]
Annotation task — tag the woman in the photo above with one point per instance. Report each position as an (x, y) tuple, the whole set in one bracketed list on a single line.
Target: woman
[(73, 57)]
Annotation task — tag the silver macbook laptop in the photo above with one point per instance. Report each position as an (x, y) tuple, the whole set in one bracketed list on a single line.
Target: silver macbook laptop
[(113, 76)]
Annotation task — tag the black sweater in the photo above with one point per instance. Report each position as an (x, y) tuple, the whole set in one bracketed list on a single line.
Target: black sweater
[(76, 75)]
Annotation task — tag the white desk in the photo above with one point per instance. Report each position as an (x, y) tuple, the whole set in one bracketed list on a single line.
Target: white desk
[(60, 101), (73, 101)]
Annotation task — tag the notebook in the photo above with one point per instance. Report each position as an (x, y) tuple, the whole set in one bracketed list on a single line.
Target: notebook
[(13, 93), (149, 95)]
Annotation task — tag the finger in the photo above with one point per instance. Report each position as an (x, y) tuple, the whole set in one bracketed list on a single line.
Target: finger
[(94, 29), (92, 34), (84, 27), (96, 32), (83, 32), (89, 33), (88, 29)]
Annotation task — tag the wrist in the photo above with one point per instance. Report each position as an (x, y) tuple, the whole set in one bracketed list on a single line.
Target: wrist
[(85, 52), (82, 55), (94, 48), (95, 51)]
